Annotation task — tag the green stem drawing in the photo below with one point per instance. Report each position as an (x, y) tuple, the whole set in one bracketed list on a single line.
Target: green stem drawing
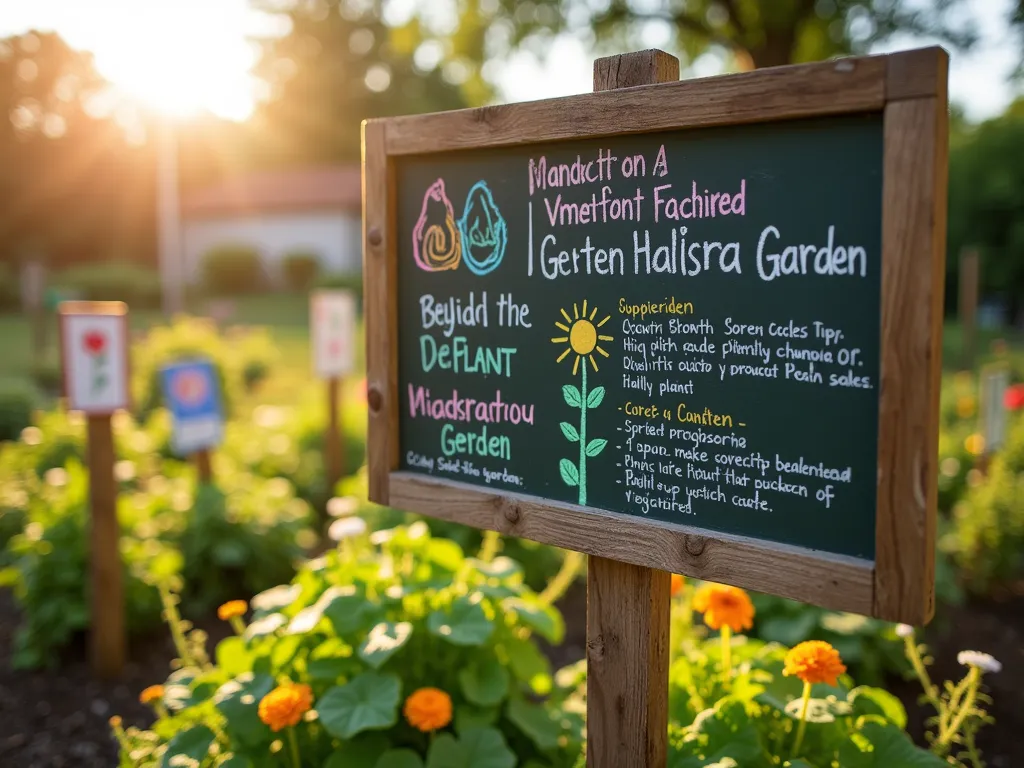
[(583, 436)]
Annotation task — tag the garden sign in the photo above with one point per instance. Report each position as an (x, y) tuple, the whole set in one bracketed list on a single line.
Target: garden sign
[(680, 326), (94, 357)]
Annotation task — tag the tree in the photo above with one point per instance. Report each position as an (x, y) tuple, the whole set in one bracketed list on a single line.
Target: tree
[(756, 33), (986, 204), (71, 184), (338, 65)]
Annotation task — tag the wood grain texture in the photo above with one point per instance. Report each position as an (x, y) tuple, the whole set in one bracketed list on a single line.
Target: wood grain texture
[(627, 604), (107, 642), (380, 289), (831, 581), (779, 93), (920, 73), (632, 69), (913, 270), (627, 665), (334, 446)]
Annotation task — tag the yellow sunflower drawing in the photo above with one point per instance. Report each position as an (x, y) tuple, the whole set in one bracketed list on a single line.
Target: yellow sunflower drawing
[(582, 337)]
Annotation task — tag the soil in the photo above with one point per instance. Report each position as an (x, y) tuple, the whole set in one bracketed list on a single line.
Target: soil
[(58, 718)]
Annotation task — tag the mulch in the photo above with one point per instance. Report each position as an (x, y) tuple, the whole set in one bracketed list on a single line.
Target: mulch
[(58, 718)]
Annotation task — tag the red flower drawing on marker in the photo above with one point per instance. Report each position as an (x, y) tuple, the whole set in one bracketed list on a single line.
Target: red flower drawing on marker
[(95, 345), (94, 342), (1013, 398)]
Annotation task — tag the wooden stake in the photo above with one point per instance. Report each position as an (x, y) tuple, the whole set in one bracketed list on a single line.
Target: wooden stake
[(628, 605), (203, 468), (108, 630), (334, 448), (968, 308)]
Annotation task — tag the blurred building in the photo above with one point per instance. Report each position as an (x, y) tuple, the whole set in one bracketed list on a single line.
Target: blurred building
[(311, 210)]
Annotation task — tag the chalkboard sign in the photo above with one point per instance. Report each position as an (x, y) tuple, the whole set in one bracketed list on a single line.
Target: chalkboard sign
[(681, 326), (688, 322)]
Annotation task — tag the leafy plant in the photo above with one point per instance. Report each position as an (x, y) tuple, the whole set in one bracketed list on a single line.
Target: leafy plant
[(233, 269), (410, 654), (301, 269), (18, 398)]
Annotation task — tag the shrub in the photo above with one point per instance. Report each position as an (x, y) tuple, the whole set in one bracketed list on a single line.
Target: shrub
[(241, 358), (18, 399), (239, 537), (136, 284), (985, 534), (233, 269), (9, 294), (366, 627), (300, 269)]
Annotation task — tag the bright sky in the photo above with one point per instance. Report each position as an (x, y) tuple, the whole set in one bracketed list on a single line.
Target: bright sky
[(185, 55)]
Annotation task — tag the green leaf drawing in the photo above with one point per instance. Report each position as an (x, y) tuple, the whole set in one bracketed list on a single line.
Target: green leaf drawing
[(570, 432), (595, 446), (572, 395), (569, 473), (595, 397)]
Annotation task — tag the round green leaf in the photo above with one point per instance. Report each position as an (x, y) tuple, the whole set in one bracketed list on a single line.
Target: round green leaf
[(445, 553), (350, 612), (875, 701), (818, 710), (238, 700), (542, 619), (399, 758), (464, 624), (384, 641), (484, 682), (362, 752), (535, 722), (477, 748), (885, 746), (529, 665), (233, 656), (368, 702), (192, 744)]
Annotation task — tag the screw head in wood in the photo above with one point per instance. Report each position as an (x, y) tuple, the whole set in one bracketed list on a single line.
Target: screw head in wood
[(374, 399), (374, 237)]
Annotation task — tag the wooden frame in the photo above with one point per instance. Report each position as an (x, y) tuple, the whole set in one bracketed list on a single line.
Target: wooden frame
[(909, 90)]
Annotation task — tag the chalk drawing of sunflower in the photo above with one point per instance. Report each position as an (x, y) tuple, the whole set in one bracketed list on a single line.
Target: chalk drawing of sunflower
[(583, 337)]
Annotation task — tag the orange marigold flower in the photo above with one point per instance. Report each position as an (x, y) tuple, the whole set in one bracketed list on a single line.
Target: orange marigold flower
[(151, 694), (285, 705), (428, 709), (814, 661), (231, 609), (678, 582), (724, 606)]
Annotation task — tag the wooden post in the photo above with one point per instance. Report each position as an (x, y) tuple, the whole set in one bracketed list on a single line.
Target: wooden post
[(203, 468), (628, 605), (334, 447), (108, 631), (968, 306)]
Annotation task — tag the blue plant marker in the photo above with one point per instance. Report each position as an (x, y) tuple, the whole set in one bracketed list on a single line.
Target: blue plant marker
[(192, 395)]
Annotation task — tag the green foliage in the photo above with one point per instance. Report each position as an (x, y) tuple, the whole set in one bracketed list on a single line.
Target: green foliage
[(365, 626), (8, 288), (17, 401), (985, 534), (301, 269), (127, 281), (986, 197), (237, 538), (233, 269)]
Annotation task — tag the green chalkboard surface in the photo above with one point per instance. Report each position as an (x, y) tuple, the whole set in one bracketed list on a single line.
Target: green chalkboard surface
[(679, 325)]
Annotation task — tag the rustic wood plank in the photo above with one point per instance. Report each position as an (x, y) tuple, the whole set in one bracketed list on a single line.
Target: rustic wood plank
[(913, 271), (916, 74), (107, 646), (628, 608), (334, 446), (631, 69), (628, 616), (831, 581), (380, 288), (779, 93)]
